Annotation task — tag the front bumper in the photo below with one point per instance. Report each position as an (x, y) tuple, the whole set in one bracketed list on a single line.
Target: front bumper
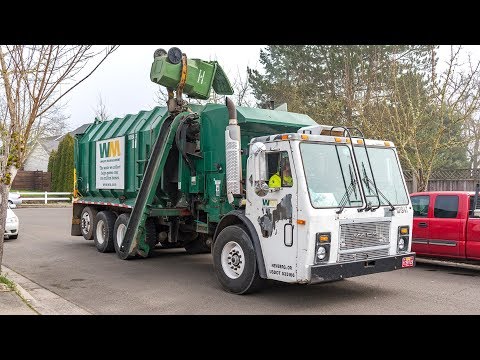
[(11, 229), (321, 273)]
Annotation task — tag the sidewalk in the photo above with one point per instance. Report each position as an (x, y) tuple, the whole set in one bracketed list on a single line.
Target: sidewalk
[(11, 303), (21, 296)]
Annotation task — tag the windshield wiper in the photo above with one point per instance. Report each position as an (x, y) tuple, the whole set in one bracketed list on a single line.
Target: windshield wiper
[(346, 196), (369, 182)]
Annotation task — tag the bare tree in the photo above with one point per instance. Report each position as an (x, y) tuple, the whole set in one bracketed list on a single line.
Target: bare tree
[(34, 79), (101, 110), (426, 115)]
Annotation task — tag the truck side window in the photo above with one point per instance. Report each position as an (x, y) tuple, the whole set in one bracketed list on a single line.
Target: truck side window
[(470, 208), (278, 170), (420, 205), (446, 206)]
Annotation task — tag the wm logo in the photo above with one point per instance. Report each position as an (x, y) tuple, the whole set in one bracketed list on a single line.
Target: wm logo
[(109, 149)]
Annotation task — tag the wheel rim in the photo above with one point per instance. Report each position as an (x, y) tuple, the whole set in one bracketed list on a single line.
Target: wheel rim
[(101, 232), (233, 260), (85, 223), (121, 230)]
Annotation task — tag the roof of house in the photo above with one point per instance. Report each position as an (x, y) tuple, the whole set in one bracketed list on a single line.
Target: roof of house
[(51, 142)]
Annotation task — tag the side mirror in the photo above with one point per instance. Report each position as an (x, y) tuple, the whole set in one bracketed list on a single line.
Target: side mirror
[(261, 188), (259, 165)]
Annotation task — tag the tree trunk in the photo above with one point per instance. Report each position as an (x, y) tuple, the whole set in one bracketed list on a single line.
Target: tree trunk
[(3, 216)]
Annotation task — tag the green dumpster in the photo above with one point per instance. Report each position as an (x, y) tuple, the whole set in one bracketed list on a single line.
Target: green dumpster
[(201, 77)]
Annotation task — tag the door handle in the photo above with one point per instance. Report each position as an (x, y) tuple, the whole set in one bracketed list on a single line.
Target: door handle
[(422, 225)]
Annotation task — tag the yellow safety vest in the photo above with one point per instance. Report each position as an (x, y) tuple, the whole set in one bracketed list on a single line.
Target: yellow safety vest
[(276, 181)]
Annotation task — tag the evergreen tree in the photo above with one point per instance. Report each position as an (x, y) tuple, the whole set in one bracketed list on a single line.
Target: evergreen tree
[(63, 164), (51, 167)]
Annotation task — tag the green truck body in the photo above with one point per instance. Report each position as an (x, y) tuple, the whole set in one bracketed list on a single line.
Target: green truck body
[(176, 188)]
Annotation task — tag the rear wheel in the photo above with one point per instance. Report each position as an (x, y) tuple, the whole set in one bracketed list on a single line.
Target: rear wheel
[(151, 235), (119, 231), (87, 222), (104, 231), (235, 261)]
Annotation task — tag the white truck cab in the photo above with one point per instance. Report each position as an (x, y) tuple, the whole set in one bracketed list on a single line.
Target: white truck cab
[(342, 210)]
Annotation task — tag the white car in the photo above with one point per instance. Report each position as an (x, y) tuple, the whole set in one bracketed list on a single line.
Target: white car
[(11, 225), (14, 199)]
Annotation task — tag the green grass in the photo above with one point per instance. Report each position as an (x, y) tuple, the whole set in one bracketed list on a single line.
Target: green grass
[(7, 282)]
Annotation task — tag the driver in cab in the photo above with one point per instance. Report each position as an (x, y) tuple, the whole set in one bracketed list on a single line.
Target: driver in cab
[(276, 181)]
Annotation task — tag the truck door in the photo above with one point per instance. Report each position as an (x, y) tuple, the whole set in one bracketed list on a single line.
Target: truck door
[(274, 211), (472, 241), (446, 227), (421, 231)]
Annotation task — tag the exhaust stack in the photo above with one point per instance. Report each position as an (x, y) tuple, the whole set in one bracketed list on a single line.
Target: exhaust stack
[(233, 156)]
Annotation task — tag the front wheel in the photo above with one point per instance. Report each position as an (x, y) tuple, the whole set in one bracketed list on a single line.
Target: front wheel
[(235, 261)]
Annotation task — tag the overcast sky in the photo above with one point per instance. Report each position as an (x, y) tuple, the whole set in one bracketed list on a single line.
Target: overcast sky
[(123, 80)]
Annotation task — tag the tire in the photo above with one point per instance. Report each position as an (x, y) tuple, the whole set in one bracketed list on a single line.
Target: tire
[(235, 239), (103, 234), (88, 223), (197, 246), (121, 227), (119, 231), (151, 235)]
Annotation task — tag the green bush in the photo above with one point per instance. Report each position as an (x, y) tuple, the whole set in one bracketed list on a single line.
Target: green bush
[(61, 165)]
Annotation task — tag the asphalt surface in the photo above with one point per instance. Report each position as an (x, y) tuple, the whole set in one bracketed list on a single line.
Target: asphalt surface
[(175, 283)]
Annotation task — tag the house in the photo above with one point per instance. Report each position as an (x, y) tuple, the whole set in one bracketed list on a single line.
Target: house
[(37, 159)]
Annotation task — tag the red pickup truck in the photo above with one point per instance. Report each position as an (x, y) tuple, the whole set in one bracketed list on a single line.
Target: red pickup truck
[(445, 225)]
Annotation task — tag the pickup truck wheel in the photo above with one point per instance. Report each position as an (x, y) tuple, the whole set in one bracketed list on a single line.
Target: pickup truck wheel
[(104, 231), (235, 262), (87, 222)]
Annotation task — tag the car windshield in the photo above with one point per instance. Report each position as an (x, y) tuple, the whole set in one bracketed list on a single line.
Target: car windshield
[(388, 176), (330, 175)]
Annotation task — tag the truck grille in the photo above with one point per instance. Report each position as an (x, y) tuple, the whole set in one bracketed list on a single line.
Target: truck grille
[(366, 255), (365, 234)]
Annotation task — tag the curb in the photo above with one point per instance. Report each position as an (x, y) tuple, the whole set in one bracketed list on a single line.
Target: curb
[(448, 263), (42, 300), (29, 206)]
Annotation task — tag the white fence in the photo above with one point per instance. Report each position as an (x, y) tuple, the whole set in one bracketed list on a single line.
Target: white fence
[(45, 197)]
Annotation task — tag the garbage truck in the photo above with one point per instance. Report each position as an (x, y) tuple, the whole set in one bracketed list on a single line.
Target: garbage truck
[(271, 194)]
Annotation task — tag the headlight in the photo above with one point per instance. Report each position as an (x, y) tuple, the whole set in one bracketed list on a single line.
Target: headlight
[(402, 238), (322, 247), (321, 253)]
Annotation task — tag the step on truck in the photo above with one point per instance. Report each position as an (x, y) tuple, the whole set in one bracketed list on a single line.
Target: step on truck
[(271, 194)]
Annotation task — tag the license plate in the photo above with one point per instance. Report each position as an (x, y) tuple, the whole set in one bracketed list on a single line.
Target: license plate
[(407, 261)]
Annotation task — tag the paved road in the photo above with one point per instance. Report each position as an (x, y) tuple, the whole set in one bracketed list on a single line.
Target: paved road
[(175, 283)]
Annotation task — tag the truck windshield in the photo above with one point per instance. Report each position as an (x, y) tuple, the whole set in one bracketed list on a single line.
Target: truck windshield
[(330, 175), (388, 177)]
